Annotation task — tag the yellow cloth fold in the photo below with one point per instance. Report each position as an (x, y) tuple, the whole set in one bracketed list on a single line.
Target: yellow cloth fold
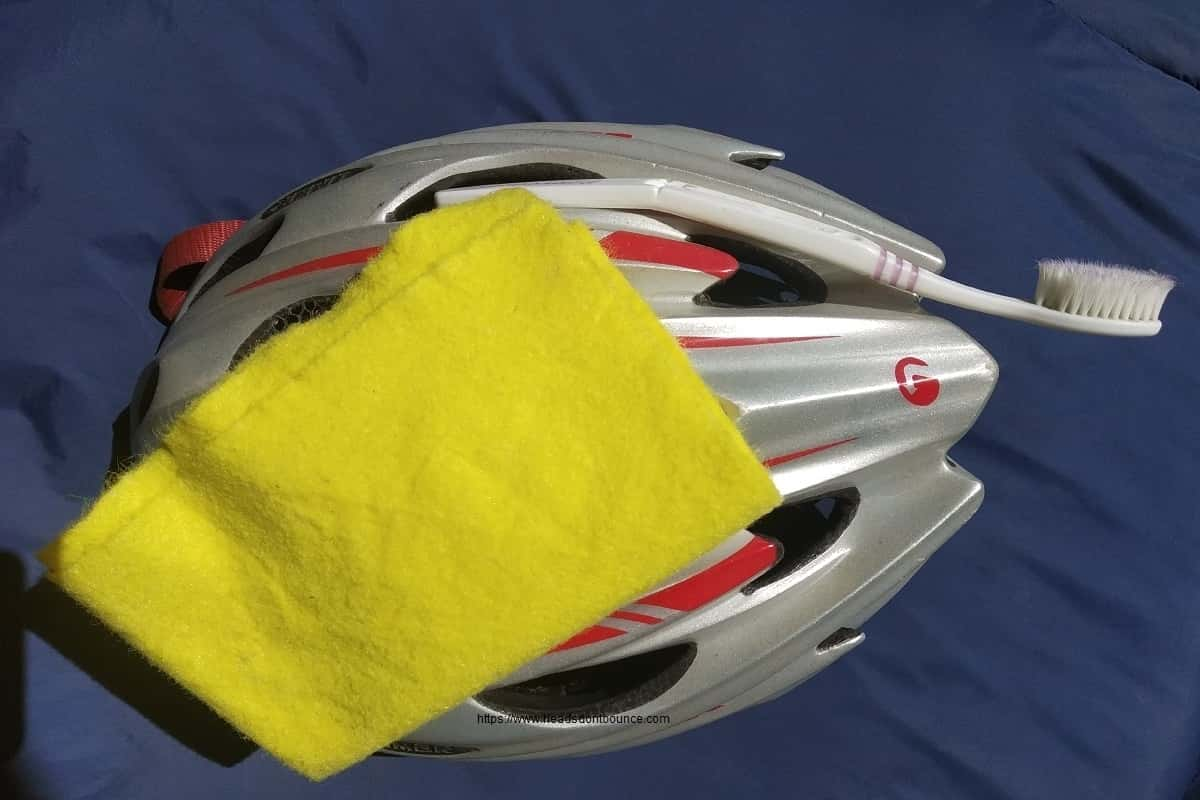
[(486, 445)]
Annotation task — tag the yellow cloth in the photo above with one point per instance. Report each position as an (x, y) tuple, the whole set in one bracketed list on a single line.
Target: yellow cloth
[(488, 444)]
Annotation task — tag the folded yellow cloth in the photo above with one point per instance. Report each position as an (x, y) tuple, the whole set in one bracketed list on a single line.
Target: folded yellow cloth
[(486, 445)]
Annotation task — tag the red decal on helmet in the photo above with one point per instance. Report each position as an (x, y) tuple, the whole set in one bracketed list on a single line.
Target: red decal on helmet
[(334, 261), (920, 390), (705, 342), (775, 461), (192, 247), (705, 711), (631, 246), (697, 590), (596, 633), (618, 134), (754, 557), (633, 616)]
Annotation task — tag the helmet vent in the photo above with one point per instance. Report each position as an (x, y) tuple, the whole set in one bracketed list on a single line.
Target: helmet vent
[(764, 278), (248, 252), (281, 320), (608, 688), (837, 639), (804, 530), (752, 160), (426, 199)]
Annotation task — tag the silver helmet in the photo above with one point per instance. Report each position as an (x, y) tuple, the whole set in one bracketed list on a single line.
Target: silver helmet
[(848, 390)]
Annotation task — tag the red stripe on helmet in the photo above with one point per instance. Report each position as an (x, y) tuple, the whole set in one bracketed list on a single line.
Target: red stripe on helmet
[(334, 261), (705, 342), (697, 590), (786, 457), (692, 592), (630, 246), (619, 245), (633, 616), (596, 633)]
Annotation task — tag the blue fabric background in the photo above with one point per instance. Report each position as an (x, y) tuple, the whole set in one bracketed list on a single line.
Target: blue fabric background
[(1051, 650)]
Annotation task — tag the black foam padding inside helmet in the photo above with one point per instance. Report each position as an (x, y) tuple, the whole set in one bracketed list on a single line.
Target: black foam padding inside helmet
[(601, 689)]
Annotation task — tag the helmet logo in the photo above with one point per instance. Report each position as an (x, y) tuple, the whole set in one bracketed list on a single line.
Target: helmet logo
[(920, 390)]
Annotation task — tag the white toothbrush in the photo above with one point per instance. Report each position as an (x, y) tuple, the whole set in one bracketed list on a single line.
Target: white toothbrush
[(1071, 295)]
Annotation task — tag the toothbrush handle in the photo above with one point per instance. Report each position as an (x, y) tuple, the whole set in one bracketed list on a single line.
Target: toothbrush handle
[(794, 232)]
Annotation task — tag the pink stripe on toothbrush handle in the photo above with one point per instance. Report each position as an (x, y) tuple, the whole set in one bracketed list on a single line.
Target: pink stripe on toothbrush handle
[(905, 270), (893, 261)]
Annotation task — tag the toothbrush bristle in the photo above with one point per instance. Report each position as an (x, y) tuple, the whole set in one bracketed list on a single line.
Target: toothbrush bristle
[(1100, 290)]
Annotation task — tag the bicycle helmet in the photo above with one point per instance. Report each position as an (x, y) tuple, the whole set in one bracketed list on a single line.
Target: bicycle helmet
[(850, 392)]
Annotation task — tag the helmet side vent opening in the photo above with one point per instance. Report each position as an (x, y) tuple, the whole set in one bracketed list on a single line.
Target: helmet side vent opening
[(753, 160), (838, 638), (804, 530), (293, 314), (764, 278), (248, 252), (426, 199), (183, 278), (609, 688)]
